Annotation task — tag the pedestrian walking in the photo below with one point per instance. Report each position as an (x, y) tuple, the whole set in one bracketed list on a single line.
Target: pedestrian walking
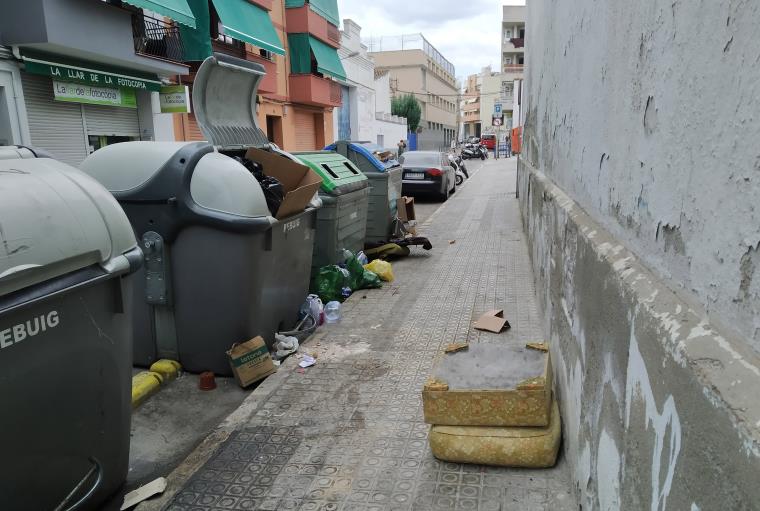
[(401, 147), (508, 144)]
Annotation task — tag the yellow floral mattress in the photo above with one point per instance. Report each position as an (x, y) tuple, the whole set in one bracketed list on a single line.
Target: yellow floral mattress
[(489, 385), (530, 447)]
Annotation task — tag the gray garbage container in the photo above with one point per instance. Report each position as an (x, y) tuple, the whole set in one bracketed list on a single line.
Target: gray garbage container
[(219, 268), (384, 189), (66, 253), (342, 220)]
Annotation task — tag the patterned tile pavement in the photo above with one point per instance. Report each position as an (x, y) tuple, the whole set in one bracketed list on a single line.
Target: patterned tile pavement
[(347, 434)]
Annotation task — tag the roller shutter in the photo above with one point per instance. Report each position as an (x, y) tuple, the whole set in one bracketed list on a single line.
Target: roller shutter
[(55, 126), (111, 120), (306, 131), (190, 128)]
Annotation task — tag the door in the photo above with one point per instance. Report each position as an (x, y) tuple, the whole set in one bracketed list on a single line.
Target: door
[(10, 127), (306, 132), (190, 131), (344, 115), (56, 126)]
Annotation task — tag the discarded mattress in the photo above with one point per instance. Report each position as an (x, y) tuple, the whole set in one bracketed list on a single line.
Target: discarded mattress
[(535, 447), (489, 385)]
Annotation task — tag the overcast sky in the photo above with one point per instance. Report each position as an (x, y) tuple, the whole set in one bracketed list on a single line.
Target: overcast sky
[(466, 33)]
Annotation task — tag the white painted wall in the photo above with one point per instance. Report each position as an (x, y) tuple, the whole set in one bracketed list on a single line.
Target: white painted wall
[(369, 98), (648, 115)]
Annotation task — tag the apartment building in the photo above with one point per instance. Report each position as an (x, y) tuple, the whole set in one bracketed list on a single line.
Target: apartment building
[(470, 106), (513, 40), (365, 114), (76, 75), (416, 67), (297, 42)]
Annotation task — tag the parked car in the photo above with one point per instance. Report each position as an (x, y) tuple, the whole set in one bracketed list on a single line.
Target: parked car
[(427, 172)]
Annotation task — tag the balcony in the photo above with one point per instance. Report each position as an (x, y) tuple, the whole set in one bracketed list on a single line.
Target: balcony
[(303, 20), (156, 38), (268, 84), (314, 90)]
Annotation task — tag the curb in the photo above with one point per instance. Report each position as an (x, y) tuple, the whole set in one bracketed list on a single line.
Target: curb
[(147, 383)]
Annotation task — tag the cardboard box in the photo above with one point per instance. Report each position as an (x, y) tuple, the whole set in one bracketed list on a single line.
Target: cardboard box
[(299, 181), (405, 207), (250, 361), (492, 321), (489, 385)]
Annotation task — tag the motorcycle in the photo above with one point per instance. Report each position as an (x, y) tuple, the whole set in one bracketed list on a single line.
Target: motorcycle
[(483, 151), (459, 169), (470, 151)]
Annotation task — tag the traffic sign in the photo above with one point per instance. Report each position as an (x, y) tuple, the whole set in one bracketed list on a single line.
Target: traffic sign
[(497, 108), (496, 121)]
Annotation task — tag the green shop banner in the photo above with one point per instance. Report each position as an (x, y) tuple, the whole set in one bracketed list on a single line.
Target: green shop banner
[(80, 93), (88, 76)]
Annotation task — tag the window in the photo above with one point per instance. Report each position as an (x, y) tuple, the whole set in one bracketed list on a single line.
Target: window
[(521, 60), (507, 34), (266, 54)]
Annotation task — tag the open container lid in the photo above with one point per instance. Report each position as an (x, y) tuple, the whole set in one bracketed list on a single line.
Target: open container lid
[(224, 100), (54, 220)]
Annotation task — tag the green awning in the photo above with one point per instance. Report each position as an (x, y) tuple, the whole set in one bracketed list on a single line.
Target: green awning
[(178, 10), (328, 9), (248, 23), (196, 42), (99, 75), (302, 46)]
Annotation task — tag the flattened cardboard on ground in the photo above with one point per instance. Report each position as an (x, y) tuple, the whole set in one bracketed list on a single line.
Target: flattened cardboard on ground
[(492, 321), (489, 385), (299, 181), (144, 492), (250, 361)]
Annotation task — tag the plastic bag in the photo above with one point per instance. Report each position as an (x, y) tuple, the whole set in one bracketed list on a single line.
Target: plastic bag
[(329, 282), (356, 271), (383, 269), (370, 280), (312, 307), (284, 346), (360, 277)]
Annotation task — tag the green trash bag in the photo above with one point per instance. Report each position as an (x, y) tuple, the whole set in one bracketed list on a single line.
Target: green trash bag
[(329, 283), (370, 280), (359, 277)]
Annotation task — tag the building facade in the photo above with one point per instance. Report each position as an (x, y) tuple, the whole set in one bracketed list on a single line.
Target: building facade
[(513, 39), (76, 75), (297, 43), (365, 114), (416, 67), (470, 107)]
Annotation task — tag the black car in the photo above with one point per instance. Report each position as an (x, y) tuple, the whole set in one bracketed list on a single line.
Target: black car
[(427, 172)]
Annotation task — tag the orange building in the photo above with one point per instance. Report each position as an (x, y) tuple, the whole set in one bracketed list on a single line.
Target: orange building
[(296, 41)]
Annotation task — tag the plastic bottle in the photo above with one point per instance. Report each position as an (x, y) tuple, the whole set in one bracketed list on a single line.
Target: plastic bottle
[(332, 312)]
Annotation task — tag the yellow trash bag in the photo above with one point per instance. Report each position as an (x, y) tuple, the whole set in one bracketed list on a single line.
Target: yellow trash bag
[(383, 269)]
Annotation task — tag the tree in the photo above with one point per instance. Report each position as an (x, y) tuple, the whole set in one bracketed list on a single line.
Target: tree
[(407, 106)]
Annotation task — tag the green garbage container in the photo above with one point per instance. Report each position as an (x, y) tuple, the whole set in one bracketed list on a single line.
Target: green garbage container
[(342, 219), (66, 255), (384, 185), (220, 268)]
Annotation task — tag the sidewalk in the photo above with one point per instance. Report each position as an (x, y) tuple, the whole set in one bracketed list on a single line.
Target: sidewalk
[(348, 433)]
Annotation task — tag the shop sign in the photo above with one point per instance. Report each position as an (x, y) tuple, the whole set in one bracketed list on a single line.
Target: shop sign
[(174, 99), (80, 93), (89, 76)]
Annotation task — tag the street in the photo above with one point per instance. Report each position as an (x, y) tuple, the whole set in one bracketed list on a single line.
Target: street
[(348, 433)]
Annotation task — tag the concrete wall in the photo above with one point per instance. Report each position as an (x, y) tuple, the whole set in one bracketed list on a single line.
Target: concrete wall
[(638, 185)]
